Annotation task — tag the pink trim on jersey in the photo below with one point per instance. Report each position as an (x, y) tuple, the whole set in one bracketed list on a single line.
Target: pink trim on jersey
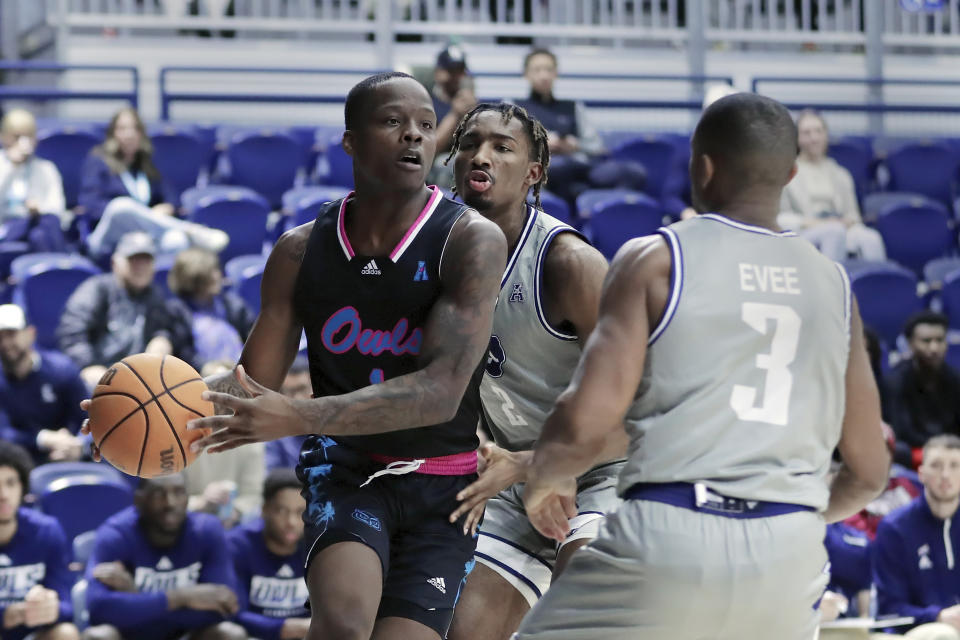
[(342, 229), (458, 464), (417, 224), (407, 238)]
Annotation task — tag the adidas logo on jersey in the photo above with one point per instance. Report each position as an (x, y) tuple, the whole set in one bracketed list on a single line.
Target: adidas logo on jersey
[(164, 564), (371, 269), (285, 572), (438, 583)]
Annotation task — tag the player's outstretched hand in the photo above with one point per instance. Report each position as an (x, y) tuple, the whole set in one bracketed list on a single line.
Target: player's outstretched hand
[(266, 415), (115, 576), (550, 505), (205, 597), (500, 469)]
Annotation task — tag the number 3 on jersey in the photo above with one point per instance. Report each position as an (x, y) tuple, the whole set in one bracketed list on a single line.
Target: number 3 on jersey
[(775, 407)]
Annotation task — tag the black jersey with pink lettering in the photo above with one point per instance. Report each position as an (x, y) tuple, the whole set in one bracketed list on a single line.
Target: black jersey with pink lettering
[(364, 319)]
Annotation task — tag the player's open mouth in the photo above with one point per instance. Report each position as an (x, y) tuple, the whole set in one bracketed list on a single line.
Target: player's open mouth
[(411, 158), (479, 181)]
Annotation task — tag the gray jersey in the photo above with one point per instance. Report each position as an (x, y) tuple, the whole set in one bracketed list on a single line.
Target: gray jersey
[(745, 374), (530, 363)]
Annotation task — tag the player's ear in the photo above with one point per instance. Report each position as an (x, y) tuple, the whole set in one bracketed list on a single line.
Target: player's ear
[(347, 142), (704, 170), (793, 173), (534, 174)]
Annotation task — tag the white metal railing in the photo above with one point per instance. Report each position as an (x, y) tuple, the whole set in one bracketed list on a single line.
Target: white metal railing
[(826, 22)]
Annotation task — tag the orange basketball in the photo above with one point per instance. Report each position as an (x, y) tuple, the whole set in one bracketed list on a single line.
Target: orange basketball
[(139, 413)]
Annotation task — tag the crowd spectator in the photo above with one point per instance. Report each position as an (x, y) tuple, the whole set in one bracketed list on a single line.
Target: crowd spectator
[(820, 202), (228, 484), (32, 206), (113, 315), (35, 578), (269, 555), (921, 396), (914, 568), (220, 319), (159, 572), (40, 393), (452, 92), (122, 191), (284, 453), (849, 555)]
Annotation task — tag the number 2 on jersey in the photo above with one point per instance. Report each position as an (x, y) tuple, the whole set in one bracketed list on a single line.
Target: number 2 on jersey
[(508, 407), (775, 407)]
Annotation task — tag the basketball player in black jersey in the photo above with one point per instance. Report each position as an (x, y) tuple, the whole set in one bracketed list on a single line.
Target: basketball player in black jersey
[(395, 288)]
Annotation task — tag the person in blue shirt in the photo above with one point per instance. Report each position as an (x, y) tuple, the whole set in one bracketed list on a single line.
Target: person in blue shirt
[(284, 453), (914, 554), (157, 572), (35, 580), (268, 555), (848, 551), (40, 393)]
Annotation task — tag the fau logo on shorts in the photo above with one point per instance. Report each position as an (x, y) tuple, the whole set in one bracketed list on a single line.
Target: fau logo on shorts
[(495, 357), (368, 341)]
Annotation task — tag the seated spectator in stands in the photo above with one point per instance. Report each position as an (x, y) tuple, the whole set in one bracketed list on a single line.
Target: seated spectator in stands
[(820, 202), (847, 550), (35, 580), (32, 206), (122, 190), (285, 452), (269, 555), (452, 93), (113, 315), (913, 556), (40, 393), (221, 319), (158, 572), (903, 486), (922, 393)]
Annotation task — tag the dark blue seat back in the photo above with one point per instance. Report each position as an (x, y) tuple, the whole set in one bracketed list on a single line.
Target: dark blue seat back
[(887, 296), (614, 221), (267, 162), (657, 156), (67, 148), (241, 215), (926, 168), (916, 232)]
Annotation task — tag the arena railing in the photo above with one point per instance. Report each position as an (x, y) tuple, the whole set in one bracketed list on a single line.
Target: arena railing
[(168, 95), (9, 91)]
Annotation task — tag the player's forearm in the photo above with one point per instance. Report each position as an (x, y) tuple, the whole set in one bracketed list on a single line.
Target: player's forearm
[(226, 382), (849, 494), (567, 447)]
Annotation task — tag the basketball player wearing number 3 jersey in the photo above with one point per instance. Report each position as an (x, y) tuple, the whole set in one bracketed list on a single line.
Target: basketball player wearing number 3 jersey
[(395, 287), (734, 355), (547, 308)]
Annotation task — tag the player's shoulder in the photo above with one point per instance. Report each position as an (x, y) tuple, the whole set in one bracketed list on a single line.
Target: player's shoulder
[(472, 233), (119, 525), (58, 365), (203, 525), (569, 253), (642, 258), (36, 525), (904, 518)]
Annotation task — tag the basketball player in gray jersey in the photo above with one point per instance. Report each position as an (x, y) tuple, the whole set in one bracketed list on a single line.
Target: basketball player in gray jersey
[(549, 296), (734, 354)]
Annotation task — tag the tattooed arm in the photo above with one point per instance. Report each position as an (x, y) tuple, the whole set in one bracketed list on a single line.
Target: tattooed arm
[(272, 345), (456, 336)]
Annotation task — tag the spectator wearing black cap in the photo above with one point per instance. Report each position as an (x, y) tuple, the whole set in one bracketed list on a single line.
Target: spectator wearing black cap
[(452, 93), (113, 315), (922, 394), (40, 393)]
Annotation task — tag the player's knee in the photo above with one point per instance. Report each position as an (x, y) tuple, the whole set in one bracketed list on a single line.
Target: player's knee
[(339, 625), (62, 631), (101, 632), (226, 631)]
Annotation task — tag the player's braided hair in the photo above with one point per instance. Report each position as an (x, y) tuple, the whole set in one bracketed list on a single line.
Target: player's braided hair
[(536, 134)]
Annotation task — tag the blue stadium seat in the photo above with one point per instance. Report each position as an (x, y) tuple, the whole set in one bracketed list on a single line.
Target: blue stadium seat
[(240, 214), (82, 503), (43, 475), (339, 166), (83, 546), (67, 148), (916, 232), (953, 356), (935, 271), (22, 266), (887, 296), (268, 162), (857, 158), (614, 221), (10, 251), (874, 203), (555, 206), (78, 596), (657, 155), (926, 168), (950, 296), (589, 198), (244, 274), (43, 288), (190, 197), (179, 156), (301, 205)]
